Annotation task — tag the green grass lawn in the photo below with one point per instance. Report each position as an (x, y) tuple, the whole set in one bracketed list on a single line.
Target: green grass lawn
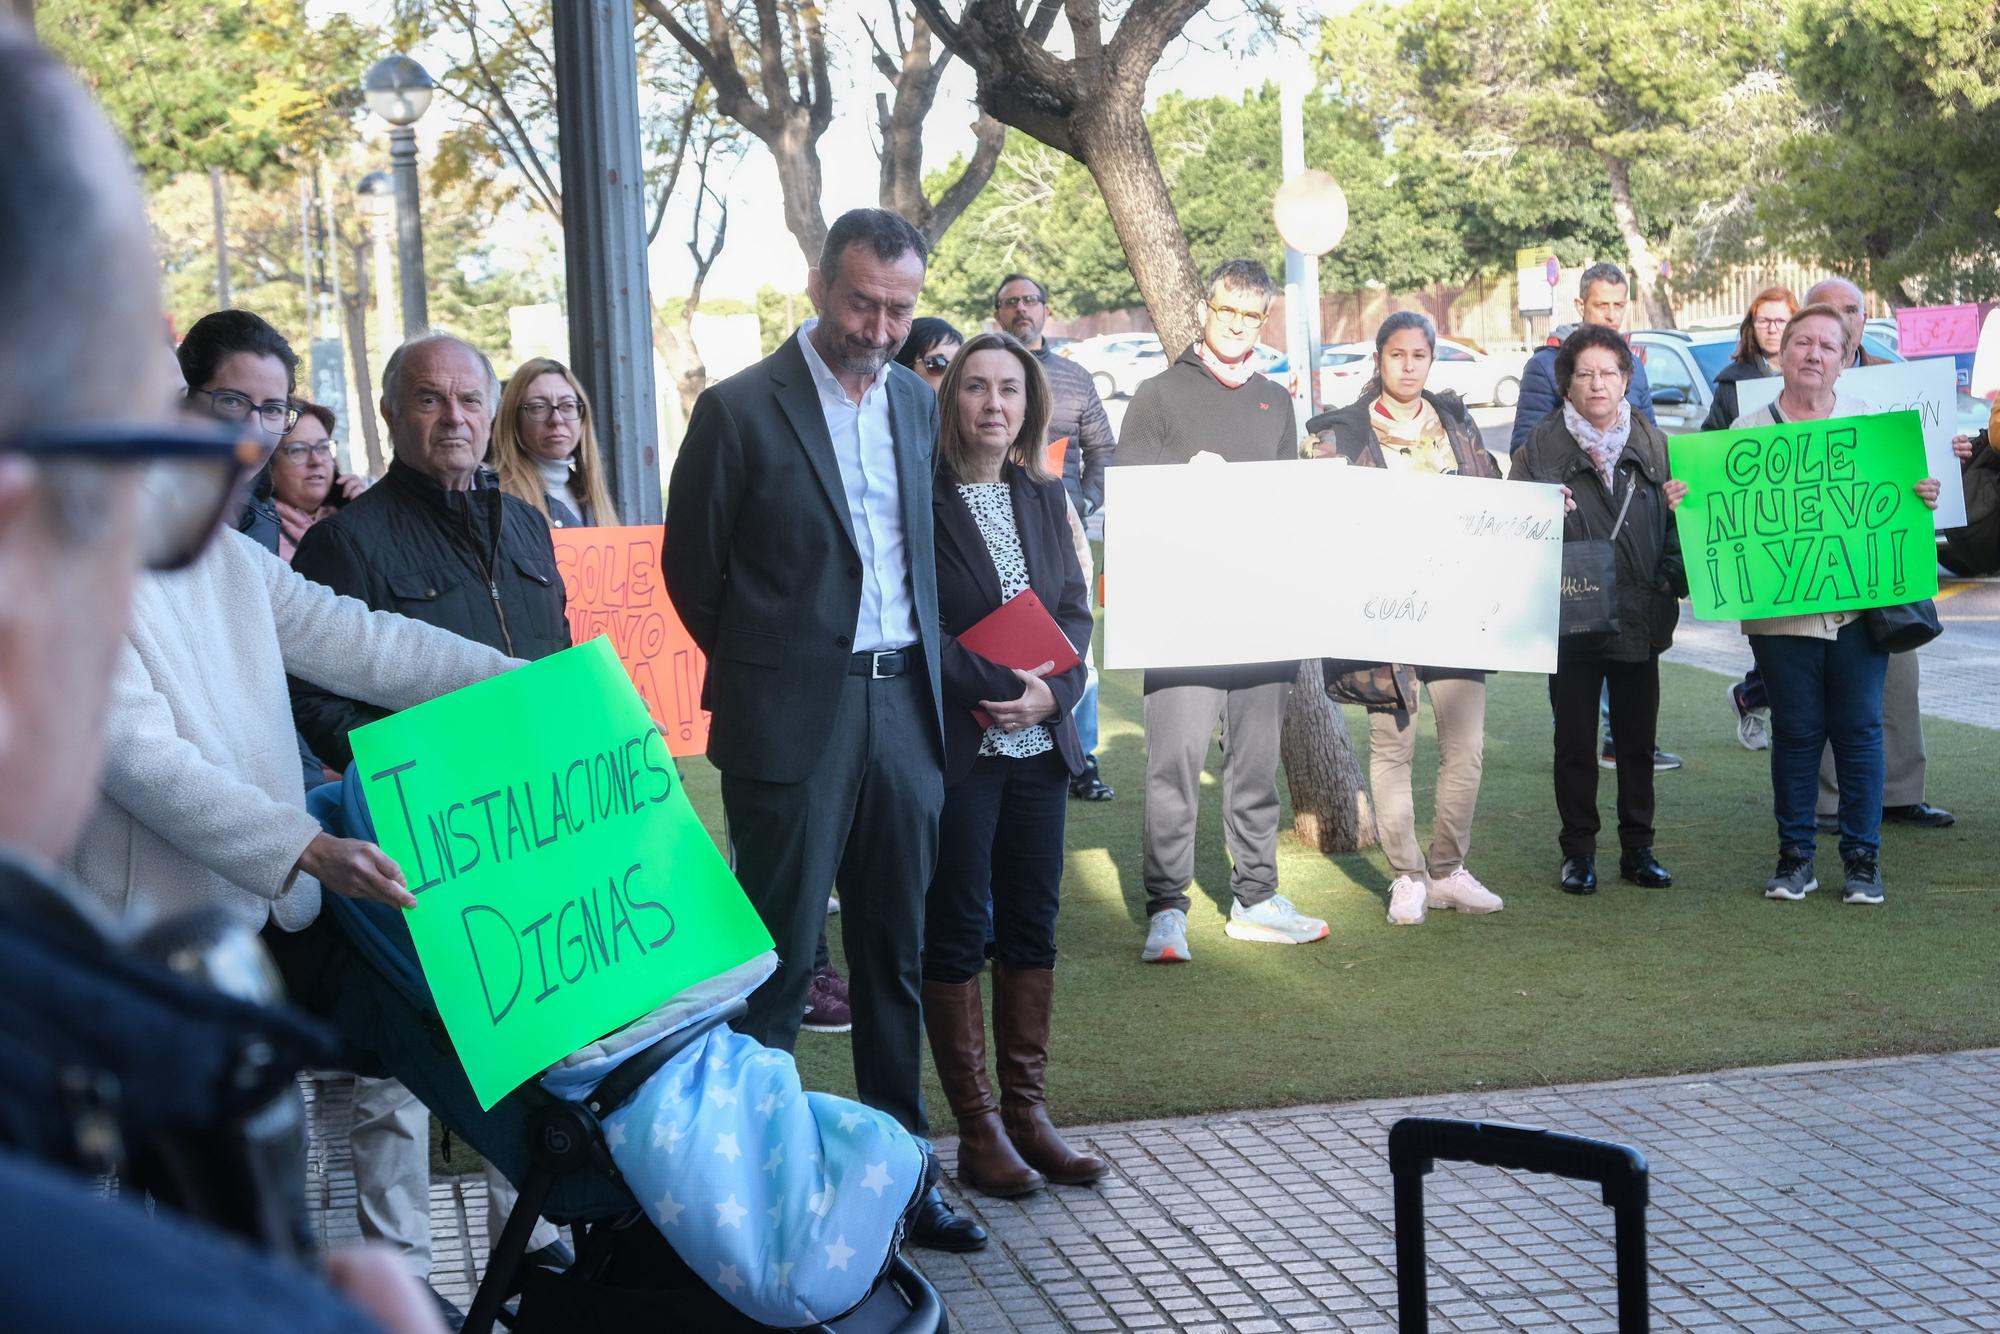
[(1554, 989)]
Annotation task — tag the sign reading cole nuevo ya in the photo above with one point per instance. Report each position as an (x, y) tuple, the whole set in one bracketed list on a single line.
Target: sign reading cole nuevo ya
[(1805, 517), (564, 885)]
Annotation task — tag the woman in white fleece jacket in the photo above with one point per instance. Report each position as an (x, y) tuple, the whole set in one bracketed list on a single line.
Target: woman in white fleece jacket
[(203, 799)]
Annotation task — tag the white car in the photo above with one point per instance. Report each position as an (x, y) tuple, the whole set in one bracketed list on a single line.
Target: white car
[(1477, 377), (1118, 362)]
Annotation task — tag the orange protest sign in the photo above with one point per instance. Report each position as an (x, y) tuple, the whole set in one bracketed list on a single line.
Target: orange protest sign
[(1052, 459), (612, 578)]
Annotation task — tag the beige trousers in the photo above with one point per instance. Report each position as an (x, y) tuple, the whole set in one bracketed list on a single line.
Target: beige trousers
[(1459, 710), (1903, 761)]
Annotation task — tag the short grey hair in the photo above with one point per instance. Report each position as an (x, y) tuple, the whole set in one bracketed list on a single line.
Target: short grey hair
[(392, 374), (1242, 275), (1604, 271), (1845, 284)]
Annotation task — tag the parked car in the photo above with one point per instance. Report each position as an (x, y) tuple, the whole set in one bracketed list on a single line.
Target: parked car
[(1682, 367), (1478, 377), (1118, 362)]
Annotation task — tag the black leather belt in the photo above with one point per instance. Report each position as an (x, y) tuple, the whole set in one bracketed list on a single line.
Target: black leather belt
[(881, 664)]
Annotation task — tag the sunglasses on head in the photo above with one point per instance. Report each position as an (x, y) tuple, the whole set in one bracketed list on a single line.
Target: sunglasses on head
[(188, 475)]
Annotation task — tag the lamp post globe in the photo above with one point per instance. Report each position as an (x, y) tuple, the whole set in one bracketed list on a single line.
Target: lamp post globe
[(398, 89), (376, 193)]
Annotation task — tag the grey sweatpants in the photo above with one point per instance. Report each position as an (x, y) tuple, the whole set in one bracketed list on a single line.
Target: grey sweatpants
[(1459, 708), (1179, 722)]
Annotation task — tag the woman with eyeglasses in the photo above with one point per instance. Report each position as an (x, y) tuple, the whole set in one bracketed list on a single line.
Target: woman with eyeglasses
[(300, 484), (1612, 464), (545, 448), (203, 802), (1756, 355), (929, 348)]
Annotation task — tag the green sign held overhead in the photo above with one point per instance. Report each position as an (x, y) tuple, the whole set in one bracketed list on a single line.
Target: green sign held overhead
[(564, 885), (1805, 517)]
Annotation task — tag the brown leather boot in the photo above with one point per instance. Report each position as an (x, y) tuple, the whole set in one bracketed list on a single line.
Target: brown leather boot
[(987, 1160), (1021, 1007)]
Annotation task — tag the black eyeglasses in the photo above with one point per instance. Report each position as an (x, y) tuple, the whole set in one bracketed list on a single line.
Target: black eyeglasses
[(536, 409), (937, 361), (299, 451), (188, 476), (228, 405), (1019, 302)]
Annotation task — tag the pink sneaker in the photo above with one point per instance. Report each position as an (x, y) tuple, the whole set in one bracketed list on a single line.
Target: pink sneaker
[(1461, 890)]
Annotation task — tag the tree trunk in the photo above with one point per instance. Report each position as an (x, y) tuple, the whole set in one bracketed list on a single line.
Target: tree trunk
[(1331, 811), (1653, 291), (796, 155), (361, 402), (1112, 142)]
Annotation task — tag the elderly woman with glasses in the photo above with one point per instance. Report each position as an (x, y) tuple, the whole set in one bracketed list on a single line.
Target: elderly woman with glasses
[(1612, 464), (300, 484), (545, 447)]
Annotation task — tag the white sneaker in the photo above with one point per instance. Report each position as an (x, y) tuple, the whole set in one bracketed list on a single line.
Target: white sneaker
[(1461, 890), (1273, 922), (1406, 901), (832, 904), (1166, 938)]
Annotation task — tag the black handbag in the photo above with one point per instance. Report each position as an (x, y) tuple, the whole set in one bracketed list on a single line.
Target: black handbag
[(1589, 603), (1904, 627)]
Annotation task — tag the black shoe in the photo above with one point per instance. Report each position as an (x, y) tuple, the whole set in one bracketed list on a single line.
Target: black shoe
[(556, 1255), (1579, 876), (1923, 813), (1088, 786), (939, 1229), (1642, 868), (454, 1319)]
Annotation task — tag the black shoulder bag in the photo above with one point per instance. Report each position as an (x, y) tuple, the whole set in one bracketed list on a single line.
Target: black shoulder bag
[(1590, 579)]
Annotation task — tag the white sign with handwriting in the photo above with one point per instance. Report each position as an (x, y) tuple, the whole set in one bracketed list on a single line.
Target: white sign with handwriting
[(1212, 563), (1929, 388)]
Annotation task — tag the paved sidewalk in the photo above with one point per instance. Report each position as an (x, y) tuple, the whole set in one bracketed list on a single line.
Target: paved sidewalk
[(1960, 671), (1844, 1196)]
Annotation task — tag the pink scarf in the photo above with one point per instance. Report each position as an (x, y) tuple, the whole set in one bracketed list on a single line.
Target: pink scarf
[(1602, 447), (292, 525), (1232, 376)]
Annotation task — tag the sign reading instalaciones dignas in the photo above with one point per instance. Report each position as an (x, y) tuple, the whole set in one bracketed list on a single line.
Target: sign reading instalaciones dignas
[(564, 885), (1814, 516), (1215, 563)]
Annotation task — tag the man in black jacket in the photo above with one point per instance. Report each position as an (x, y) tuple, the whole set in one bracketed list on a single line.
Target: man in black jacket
[(1076, 414), (438, 540), (1210, 407)]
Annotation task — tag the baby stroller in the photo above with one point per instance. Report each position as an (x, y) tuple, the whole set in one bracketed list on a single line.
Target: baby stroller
[(549, 1138)]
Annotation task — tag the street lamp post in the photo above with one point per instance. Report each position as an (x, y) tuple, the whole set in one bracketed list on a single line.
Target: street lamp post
[(377, 194), (399, 91)]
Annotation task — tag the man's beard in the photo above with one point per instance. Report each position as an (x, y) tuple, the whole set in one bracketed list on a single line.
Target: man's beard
[(859, 359)]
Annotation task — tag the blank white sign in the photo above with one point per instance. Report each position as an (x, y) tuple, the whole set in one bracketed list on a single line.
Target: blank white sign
[(1213, 563)]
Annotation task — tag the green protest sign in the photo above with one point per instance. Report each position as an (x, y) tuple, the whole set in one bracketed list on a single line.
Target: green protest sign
[(1805, 517), (564, 885)]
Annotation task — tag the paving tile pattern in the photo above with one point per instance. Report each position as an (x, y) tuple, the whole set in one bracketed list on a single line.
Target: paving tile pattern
[(1848, 1196)]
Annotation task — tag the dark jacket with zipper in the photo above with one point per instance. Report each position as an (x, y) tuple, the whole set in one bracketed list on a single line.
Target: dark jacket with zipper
[(1651, 578), (1722, 413), (969, 588), (1347, 433), (478, 563)]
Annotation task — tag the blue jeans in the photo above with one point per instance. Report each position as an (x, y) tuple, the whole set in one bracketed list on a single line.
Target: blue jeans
[(1824, 691)]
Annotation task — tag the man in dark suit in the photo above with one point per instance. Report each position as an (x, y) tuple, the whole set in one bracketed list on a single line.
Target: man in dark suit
[(798, 554)]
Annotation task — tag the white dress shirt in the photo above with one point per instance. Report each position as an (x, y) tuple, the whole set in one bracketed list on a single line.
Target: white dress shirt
[(866, 453)]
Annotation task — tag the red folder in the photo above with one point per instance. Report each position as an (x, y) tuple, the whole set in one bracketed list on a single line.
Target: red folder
[(1021, 634)]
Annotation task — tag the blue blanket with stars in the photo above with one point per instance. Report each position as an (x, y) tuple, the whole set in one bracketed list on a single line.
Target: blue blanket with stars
[(788, 1204)]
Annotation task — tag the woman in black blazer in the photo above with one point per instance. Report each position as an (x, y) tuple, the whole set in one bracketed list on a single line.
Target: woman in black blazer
[(1001, 527)]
